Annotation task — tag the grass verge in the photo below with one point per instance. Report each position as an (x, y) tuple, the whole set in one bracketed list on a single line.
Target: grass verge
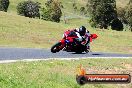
[(18, 31), (60, 73)]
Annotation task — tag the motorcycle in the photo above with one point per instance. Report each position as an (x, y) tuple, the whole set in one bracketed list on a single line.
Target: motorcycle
[(70, 44)]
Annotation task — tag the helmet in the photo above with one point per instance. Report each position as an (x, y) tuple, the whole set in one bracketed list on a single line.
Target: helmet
[(82, 30)]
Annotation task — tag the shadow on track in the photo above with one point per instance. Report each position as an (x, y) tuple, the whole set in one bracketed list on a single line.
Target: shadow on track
[(96, 54), (78, 53)]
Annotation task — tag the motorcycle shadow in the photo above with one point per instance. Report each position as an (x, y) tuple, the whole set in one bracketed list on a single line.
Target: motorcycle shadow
[(78, 53), (96, 54)]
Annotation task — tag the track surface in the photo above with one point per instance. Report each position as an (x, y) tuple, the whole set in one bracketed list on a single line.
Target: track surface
[(29, 53)]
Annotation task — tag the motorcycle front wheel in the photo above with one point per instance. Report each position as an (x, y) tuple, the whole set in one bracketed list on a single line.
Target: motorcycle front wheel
[(56, 48)]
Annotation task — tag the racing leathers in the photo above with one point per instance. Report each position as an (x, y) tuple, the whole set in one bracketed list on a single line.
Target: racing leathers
[(84, 40)]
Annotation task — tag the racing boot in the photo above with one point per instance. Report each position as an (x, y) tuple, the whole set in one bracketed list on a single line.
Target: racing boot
[(88, 49)]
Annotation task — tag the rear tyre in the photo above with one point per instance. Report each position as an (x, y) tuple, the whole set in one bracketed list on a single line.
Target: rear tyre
[(78, 52), (80, 49), (56, 48)]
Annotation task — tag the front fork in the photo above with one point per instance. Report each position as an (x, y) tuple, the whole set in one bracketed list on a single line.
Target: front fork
[(62, 46)]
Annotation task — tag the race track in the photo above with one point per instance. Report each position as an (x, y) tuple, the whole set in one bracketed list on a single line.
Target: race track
[(29, 53)]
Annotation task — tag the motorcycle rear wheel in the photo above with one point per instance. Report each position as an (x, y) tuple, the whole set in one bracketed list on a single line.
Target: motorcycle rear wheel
[(80, 49)]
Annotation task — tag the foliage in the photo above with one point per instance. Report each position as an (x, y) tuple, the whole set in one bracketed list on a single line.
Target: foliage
[(74, 6), (4, 4), (28, 9), (129, 14), (102, 12), (52, 12), (121, 14), (46, 14), (83, 10), (117, 25)]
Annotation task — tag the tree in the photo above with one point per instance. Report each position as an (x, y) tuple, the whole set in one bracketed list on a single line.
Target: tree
[(116, 24), (121, 14), (4, 4), (102, 12), (129, 14), (28, 9), (52, 12)]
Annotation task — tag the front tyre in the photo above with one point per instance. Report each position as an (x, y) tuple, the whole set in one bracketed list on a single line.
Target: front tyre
[(56, 48)]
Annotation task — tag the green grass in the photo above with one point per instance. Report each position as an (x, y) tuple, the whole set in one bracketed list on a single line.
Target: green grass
[(108, 40), (19, 31), (60, 73), (122, 3)]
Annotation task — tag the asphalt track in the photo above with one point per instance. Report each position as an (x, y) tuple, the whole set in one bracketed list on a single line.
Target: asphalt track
[(29, 53)]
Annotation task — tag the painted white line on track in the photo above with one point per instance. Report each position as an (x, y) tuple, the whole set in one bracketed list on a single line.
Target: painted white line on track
[(29, 60)]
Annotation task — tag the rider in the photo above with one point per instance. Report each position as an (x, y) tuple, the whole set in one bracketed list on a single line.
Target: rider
[(82, 34)]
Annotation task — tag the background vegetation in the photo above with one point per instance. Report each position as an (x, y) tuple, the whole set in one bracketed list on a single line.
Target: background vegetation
[(19, 31), (52, 12), (4, 5), (28, 9), (101, 13)]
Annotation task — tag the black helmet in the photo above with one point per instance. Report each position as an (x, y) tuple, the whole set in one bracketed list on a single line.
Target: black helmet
[(82, 30)]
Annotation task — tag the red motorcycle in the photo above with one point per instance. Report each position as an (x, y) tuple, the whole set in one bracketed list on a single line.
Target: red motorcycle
[(70, 44)]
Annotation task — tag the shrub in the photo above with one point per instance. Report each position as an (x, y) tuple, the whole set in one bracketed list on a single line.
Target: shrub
[(121, 14), (117, 25), (128, 14), (74, 5), (52, 12), (46, 14), (28, 9), (4, 4), (83, 11)]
